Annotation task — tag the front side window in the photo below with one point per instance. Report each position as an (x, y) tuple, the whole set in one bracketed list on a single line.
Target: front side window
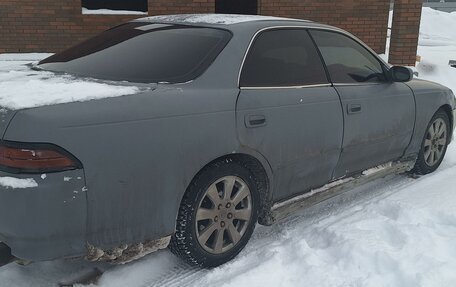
[(143, 52), (347, 60), (283, 57)]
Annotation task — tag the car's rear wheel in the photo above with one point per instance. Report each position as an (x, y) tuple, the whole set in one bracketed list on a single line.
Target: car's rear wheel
[(217, 215), (434, 145)]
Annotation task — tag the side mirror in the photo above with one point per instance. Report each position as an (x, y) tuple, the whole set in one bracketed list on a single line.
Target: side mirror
[(401, 74)]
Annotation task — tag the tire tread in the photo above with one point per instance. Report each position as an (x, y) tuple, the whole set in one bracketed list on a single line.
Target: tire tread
[(421, 168), (182, 242)]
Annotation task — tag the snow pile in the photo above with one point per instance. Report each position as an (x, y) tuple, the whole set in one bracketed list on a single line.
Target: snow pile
[(22, 87), (437, 28), (225, 19), (86, 11), (437, 46), (28, 57), (12, 182)]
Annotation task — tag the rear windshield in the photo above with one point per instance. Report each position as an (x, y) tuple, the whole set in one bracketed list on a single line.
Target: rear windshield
[(143, 52)]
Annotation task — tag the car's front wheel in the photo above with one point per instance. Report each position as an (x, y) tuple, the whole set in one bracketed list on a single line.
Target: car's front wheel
[(434, 144), (217, 215)]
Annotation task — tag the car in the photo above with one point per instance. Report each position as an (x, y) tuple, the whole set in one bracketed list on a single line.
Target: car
[(239, 119)]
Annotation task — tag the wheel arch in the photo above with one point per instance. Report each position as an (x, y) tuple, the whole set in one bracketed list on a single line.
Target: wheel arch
[(184, 242), (422, 166), (261, 170), (447, 109)]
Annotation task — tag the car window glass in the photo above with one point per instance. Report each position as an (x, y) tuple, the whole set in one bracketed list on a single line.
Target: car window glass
[(143, 52), (346, 59), (283, 58)]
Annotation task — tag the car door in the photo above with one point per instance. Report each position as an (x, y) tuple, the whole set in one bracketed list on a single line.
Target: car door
[(379, 115), (288, 111)]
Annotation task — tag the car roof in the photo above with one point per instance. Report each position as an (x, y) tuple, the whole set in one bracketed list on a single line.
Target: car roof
[(215, 19), (230, 21), (236, 23)]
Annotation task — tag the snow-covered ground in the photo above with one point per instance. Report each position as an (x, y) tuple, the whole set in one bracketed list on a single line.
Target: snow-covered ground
[(395, 231)]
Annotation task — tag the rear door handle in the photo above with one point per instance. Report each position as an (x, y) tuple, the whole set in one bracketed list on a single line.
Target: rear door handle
[(253, 121), (353, 108)]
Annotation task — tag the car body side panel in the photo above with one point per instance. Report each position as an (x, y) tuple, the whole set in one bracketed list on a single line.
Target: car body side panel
[(139, 153), (301, 138), (380, 131), (429, 98)]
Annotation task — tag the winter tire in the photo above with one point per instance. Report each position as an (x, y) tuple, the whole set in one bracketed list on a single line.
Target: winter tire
[(434, 145), (217, 215)]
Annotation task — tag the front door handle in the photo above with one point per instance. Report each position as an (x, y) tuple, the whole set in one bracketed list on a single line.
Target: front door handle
[(253, 121), (353, 108)]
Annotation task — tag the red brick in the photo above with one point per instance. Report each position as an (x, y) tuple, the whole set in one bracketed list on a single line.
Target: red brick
[(405, 32)]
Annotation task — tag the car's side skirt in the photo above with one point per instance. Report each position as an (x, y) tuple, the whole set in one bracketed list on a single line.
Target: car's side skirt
[(285, 208)]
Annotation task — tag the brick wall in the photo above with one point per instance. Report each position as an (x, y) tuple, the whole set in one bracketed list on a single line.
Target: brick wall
[(405, 32), (51, 26), (48, 25), (366, 19)]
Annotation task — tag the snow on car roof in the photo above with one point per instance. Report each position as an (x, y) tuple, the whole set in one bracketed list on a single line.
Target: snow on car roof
[(223, 19)]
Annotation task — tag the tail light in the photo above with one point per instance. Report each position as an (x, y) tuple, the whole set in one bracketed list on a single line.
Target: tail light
[(35, 158)]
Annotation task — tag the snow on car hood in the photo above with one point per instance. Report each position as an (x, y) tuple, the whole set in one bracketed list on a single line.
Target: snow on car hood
[(22, 87)]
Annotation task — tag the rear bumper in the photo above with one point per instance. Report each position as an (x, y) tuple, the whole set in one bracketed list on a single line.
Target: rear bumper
[(47, 218)]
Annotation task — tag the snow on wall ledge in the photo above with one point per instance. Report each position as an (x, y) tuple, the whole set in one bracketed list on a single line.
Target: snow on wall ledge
[(12, 182), (22, 87), (86, 11)]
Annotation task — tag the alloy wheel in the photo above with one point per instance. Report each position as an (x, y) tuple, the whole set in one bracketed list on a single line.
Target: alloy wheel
[(435, 142), (223, 215)]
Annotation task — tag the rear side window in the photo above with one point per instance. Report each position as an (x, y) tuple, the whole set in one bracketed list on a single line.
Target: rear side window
[(283, 57), (143, 52), (347, 60)]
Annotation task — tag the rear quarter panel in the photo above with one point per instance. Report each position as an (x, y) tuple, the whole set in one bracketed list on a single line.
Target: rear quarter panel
[(139, 153)]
